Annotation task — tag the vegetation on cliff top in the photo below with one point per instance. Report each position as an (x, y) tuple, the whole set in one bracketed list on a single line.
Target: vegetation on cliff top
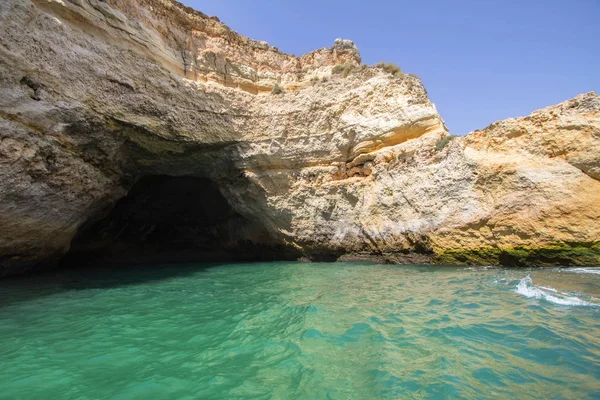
[(347, 68), (391, 68), (344, 69)]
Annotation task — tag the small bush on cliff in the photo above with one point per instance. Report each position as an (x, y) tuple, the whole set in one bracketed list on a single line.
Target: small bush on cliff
[(277, 89), (343, 69), (391, 68), (444, 141)]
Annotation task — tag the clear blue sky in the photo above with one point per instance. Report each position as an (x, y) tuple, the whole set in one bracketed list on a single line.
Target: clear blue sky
[(480, 60)]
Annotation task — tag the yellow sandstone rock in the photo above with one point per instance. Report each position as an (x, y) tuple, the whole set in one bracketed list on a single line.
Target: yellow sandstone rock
[(95, 95)]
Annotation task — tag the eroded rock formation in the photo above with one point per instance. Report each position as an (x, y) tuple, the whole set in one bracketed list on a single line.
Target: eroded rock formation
[(348, 161)]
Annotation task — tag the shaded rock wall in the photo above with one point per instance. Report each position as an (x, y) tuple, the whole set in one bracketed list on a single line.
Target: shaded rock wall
[(173, 219)]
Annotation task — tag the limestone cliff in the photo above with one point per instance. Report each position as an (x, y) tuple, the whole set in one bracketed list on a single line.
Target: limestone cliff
[(327, 157)]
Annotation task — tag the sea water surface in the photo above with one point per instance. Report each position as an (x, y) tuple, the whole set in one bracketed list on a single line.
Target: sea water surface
[(301, 331)]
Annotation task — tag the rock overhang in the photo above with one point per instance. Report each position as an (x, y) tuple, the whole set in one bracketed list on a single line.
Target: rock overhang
[(348, 164)]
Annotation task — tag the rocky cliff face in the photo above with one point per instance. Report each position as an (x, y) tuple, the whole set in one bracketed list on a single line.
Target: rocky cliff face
[(347, 161)]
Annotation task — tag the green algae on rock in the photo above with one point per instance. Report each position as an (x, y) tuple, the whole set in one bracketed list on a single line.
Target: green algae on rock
[(564, 254)]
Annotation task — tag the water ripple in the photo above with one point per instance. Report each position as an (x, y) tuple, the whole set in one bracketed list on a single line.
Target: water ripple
[(296, 331)]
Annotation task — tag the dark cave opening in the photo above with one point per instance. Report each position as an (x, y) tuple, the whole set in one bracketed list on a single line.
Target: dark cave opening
[(165, 219)]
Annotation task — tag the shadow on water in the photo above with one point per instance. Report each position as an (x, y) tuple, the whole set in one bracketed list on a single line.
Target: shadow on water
[(106, 275), (25, 288), (114, 275)]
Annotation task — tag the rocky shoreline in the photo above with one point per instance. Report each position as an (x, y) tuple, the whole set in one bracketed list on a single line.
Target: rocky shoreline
[(317, 155)]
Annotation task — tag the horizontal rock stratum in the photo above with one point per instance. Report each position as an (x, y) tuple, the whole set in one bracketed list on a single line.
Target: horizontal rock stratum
[(328, 158)]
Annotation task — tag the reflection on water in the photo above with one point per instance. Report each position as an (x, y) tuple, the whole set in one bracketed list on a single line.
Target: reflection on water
[(293, 330)]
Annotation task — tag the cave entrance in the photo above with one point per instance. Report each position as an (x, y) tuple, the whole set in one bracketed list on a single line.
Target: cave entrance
[(166, 219)]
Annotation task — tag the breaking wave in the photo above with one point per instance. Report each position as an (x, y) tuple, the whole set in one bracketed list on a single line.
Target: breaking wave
[(528, 289), (580, 270)]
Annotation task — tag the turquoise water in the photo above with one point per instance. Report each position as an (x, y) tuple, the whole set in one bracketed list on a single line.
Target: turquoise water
[(301, 331)]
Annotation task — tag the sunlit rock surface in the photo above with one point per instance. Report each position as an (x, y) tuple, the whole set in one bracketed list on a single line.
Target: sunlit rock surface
[(354, 164)]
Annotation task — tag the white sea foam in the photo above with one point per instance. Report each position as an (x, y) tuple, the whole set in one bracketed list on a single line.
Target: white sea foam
[(528, 289), (481, 268), (591, 270), (548, 288)]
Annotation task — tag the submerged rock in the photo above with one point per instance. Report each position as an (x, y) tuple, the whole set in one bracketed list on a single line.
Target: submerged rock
[(354, 164)]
